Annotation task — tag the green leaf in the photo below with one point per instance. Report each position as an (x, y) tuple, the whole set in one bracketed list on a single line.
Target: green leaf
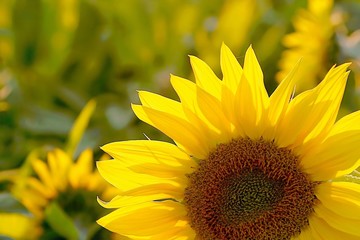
[(60, 222)]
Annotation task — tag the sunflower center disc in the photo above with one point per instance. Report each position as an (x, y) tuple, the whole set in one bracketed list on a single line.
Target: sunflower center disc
[(249, 189), (249, 195)]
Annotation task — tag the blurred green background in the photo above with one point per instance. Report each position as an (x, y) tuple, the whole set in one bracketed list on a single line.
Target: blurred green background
[(56, 55)]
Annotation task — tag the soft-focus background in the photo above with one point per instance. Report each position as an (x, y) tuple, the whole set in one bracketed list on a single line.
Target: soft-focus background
[(58, 55)]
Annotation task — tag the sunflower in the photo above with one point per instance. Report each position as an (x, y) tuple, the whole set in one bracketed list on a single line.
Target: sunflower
[(311, 41), (244, 165), (60, 192), (60, 184)]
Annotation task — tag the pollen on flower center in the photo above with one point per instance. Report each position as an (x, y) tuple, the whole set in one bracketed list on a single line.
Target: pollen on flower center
[(249, 189)]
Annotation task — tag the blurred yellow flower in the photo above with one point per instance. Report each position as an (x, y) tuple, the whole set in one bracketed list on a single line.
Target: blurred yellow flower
[(245, 165), (17, 226), (61, 192), (310, 41), (60, 178)]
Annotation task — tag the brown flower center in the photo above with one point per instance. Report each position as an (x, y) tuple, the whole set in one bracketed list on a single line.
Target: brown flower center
[(249, 189)]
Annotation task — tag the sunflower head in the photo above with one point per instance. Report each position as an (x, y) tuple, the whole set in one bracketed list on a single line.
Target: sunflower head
[(61, 183), (245, 165)]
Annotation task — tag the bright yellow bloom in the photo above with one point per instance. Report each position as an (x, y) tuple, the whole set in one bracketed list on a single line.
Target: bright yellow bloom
[(244, 165), (310, 41)]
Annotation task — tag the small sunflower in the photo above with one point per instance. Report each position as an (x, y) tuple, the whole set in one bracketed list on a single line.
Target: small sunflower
[(60, 177), (71, 186), (244, 165), (310, 41), (60, 193)]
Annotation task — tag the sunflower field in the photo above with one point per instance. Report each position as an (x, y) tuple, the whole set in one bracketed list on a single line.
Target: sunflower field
[(179, 119)]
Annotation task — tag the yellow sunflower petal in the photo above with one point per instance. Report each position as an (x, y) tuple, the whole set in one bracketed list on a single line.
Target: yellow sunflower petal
[(251, 99), (186, 90), (331, 88), (110, 170), (185, 134), (312, 113), (177, 192), (196, 103), (253, 73), (160, 103), (57, 170), (81, 170), (79, 126), (343, 198), (205, 77), (150, 151), (33, 200), (42, 171), (41, 188), (321, 229), (156, 217), (232, 73), (230, 68), (279, 102), (336, 155), (337, 221), (211, 108)]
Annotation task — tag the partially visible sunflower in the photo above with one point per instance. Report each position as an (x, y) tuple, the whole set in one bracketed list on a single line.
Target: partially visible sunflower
[(244, 165), (61, 193), (310, 41), (72, 186), (59, 178)]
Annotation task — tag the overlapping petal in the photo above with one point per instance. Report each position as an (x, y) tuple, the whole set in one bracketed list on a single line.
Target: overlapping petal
[(156, 217), (149, 151), (205, 77), (185, 134), (320, 229), (336, 155), (112, 169), (251, 99), (343, 198), (279, 102), (338, 222), (312, 113)]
